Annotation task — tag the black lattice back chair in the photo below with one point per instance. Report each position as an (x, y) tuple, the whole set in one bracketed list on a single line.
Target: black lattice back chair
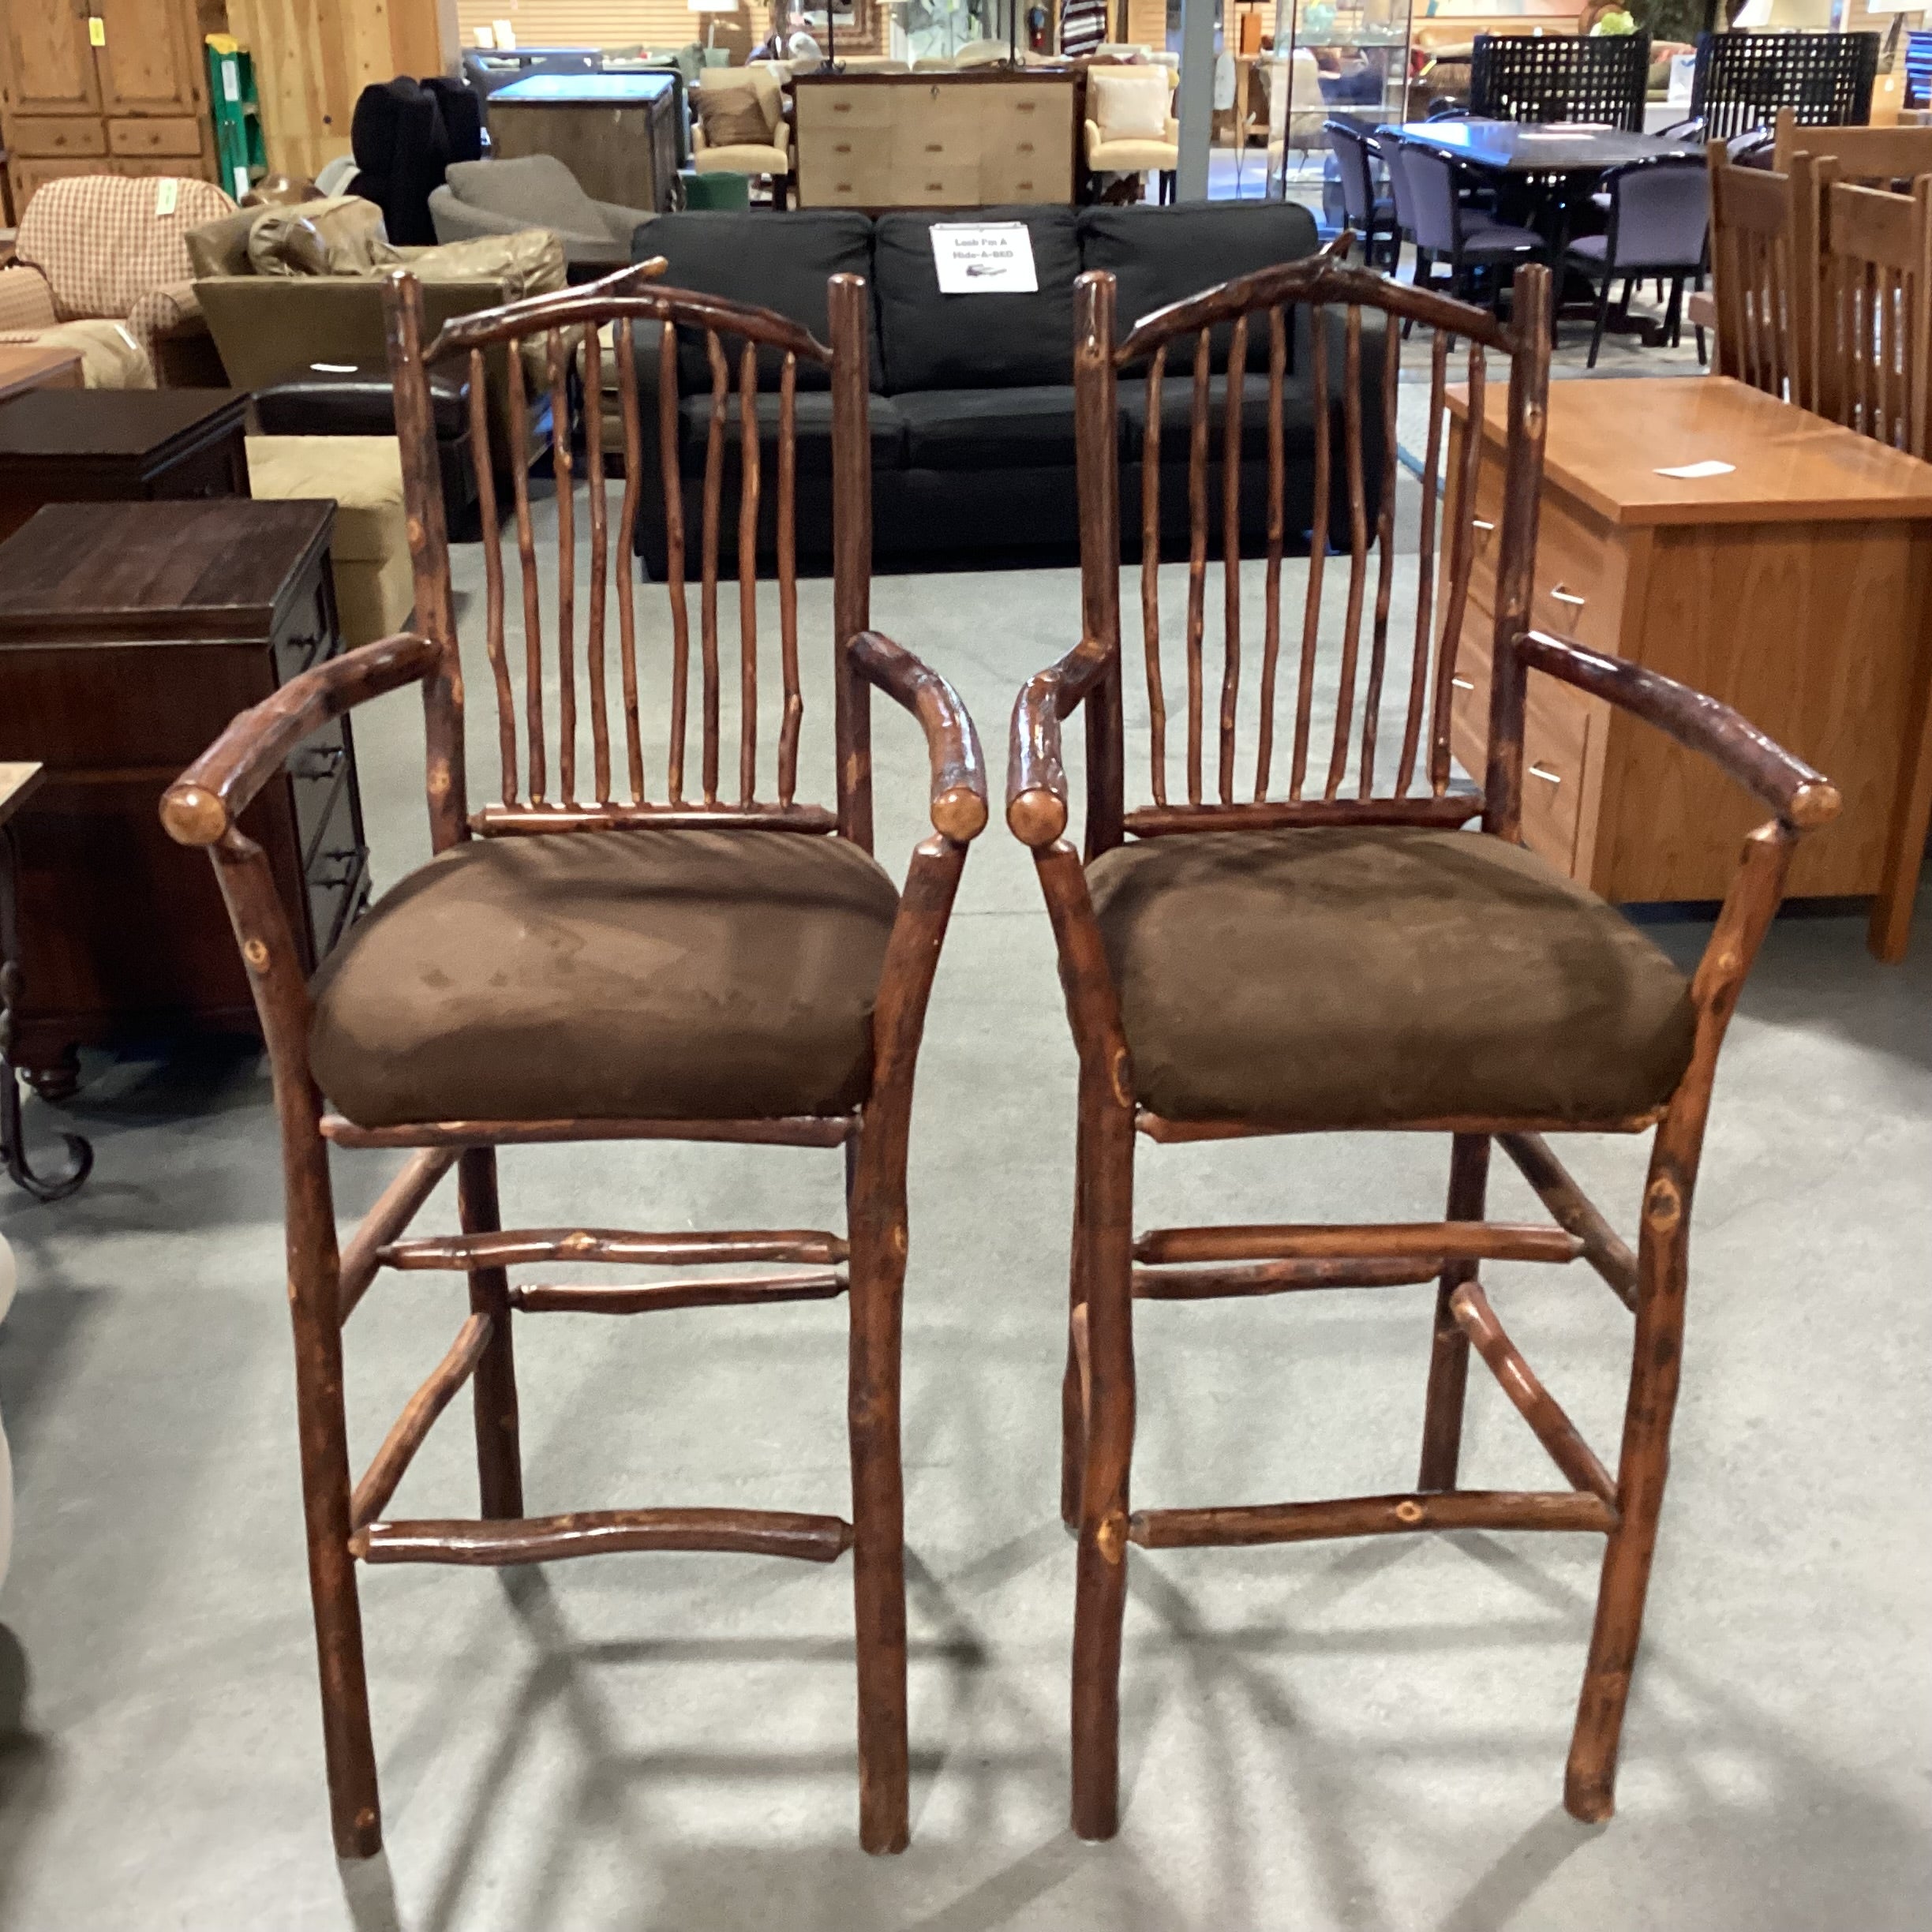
[(1742, 80), (1559, 77)]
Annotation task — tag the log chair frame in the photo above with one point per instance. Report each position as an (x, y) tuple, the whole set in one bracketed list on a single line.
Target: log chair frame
[(1111, 1267), (344, 1521)]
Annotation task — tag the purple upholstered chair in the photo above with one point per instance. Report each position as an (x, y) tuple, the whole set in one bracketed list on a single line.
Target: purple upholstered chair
[(1660, 216), (1447, 230)]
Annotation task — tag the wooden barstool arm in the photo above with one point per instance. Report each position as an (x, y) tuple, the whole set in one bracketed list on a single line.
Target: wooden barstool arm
[(1802, 798), (1036, 787), (959, 787), (201, 806)]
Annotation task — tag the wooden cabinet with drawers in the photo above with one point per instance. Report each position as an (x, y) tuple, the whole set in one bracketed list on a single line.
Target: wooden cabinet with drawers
[(1796, 586), (977, 139), (130, 634), (104, 87)]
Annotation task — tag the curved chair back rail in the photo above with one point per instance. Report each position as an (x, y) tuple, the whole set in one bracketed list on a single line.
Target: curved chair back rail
[(1369, 739)]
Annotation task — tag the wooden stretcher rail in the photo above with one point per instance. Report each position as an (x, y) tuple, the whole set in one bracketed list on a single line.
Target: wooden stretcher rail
[(1603, 1248), (396, 1207), (802, 1131), (1456, 1241), (1353, 1516), (1540, 1410), (391, 1460), (519, 1247), (644, 1298), (1262, 1278), (597, 1533)]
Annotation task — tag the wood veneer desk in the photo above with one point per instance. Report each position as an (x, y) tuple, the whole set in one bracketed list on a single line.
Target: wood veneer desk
[(1798, 587)]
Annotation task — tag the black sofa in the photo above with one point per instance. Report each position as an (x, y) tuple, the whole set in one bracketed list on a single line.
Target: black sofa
[(973, 404)]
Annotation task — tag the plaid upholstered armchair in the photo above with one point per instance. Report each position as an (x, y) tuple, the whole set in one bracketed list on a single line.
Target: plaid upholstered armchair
[(99, 265)]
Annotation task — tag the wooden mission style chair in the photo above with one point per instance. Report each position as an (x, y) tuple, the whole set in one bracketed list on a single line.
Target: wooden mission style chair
[(626, 958), (1333, 953)]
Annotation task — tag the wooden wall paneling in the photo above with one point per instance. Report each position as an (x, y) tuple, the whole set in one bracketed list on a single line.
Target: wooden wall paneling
[(312, 58)]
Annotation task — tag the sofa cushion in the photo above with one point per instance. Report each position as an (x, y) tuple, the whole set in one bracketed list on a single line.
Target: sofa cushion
[(980, 341), (1364, 976), (536, 189), (813, 443), (1024, 428), (782, 264), (363, 474), (1176, 409), (1160, 255), (611, 975)]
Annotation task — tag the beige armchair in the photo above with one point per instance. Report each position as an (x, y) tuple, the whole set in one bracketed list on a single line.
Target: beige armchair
[(1131, 128), (101, 266), (747, 95)]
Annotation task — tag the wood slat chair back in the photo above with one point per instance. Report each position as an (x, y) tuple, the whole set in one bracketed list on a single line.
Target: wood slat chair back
[(1873, 276), (1757, 267), (1366, 739), (1874, 155), (658, 719)]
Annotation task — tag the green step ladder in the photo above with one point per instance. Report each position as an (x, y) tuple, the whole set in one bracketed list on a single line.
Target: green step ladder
[(241, 151)]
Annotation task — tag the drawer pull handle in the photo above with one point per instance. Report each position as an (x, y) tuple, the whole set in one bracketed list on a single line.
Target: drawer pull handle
[(843, 147), (935, 147), (1544, 771), (1462, 684), (1484, 524), (842, 107), (1567, 597)]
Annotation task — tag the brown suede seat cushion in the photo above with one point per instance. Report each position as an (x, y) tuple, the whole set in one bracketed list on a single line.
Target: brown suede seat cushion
[(608, 976), (1336, 977)]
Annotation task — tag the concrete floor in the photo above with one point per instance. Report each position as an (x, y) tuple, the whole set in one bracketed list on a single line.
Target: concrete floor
[(1368, 1736)]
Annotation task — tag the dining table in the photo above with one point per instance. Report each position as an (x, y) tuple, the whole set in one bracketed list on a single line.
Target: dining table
[(1545, 168)]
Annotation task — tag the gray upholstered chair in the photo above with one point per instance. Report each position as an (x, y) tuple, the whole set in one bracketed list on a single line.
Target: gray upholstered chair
[(534, 191)]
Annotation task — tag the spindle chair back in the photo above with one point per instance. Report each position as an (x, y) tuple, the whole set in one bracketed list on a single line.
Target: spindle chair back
[(1367, 739), (1760, 278), (1281, 950), (576, 888), (1873, 275)]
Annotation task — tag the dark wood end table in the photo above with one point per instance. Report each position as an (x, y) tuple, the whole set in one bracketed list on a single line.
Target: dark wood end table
[(95, 445)]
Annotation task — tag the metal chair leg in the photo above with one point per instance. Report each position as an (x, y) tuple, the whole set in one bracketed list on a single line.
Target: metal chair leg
[(1603, 315)]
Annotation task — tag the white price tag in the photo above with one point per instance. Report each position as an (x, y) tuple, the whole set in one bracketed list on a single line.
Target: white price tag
[(984, 258), (167, 193), (231, 80), (1696, 472)]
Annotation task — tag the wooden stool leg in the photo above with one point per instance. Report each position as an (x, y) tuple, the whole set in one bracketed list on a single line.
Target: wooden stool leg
[(500, 1463), (1073, 1398), (1589, 1787), (1442, 1424), (877, 1209), (349, 1751), (1100, 1589)]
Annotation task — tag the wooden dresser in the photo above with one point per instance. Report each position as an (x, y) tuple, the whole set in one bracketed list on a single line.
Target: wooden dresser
[(104, 87), (980, 138), (130, 634), (1796, 586), (617, 133)]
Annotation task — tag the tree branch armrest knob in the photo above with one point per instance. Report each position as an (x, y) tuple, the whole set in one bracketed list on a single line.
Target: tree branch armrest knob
[(192, 814)]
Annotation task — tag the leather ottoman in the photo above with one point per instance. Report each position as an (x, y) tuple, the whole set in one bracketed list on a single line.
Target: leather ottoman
[(374, 587)]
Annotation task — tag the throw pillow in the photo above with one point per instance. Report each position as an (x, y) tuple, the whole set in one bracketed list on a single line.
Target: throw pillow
[(1131, 107), (732, 119)]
